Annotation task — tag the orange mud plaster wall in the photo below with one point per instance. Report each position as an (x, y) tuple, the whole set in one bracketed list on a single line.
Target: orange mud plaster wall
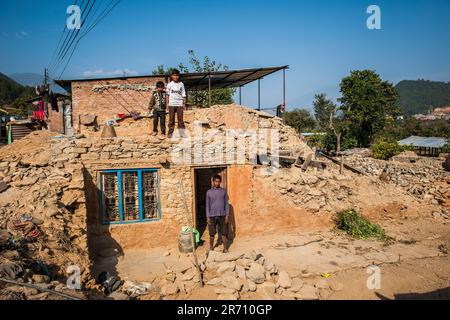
[(259, 208), (108, 98)]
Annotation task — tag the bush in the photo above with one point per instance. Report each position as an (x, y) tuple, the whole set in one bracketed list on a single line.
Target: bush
[(384, 149), (359, 227), (349, 143)]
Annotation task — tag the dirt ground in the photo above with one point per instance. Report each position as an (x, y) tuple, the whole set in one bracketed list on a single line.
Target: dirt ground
[(415, 265)]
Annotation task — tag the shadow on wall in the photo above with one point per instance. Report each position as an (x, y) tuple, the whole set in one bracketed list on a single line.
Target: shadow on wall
[(232, 231), (104, 251)]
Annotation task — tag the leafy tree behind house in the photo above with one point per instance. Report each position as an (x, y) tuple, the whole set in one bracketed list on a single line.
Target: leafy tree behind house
[(301, 120), (323, 107), (201, 98), (366, 102)]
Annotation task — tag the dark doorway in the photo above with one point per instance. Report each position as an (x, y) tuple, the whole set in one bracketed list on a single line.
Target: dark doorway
[(203, 182)]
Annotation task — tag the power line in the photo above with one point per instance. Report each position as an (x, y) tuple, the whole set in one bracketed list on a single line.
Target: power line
[(71, 33), (102, 16), (52, 60), (99, 19), (88, 17), (66, 50)]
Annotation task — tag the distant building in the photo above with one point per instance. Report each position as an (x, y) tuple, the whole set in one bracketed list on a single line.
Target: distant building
[(423, 146), (442, 113)]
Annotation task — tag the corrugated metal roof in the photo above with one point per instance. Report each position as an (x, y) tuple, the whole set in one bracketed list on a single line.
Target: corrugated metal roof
[(423, 142), (201, 81)]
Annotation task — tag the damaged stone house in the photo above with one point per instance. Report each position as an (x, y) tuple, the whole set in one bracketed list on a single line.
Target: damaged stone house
[(132, 183)]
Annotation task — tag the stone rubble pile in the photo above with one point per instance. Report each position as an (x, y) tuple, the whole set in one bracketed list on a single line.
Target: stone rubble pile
[(42, 221), (237, 276), (424, 181), (325, 191), (235, 117)]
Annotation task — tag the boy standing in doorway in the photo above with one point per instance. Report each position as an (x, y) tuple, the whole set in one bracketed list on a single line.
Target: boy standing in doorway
[(158, 106), (176, 102), (217, 212)]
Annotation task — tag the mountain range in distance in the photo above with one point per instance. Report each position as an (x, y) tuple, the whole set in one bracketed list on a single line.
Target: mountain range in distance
[(32, 80), (416, 96)]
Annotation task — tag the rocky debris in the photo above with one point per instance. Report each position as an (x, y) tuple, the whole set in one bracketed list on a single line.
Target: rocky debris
[(267, 290), (42, 213), (252, 273), (134, 289), (230, 297), (425, 179), (225, 291), (235, 117), (328, 192), (251, 286), (226, 267), (170, 290), (284, 280), (297, 284), (119, 296), (215, 256), (308, 292), (214, 282), (256, 273), (38, 278), (232, 282)]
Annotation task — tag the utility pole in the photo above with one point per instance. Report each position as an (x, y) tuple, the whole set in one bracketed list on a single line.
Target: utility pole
[(45, 76)]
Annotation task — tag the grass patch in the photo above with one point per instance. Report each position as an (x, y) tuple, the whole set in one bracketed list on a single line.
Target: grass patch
[(359, 227)]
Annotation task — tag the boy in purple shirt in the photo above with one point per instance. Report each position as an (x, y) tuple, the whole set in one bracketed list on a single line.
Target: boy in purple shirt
[(217, 212)]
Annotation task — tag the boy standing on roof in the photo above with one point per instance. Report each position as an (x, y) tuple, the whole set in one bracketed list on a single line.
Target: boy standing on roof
[(176, 102), (158, 106)]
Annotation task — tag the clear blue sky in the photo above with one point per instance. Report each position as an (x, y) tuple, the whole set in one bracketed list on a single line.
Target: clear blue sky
[(321, 40)]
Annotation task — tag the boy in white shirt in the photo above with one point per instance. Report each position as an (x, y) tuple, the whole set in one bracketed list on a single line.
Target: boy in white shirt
[(176, 102)]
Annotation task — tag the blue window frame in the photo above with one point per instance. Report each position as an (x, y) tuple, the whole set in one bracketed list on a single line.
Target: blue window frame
[(129, 196)]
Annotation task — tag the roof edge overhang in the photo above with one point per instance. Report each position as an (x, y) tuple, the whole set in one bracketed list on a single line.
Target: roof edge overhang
[(219, 82)]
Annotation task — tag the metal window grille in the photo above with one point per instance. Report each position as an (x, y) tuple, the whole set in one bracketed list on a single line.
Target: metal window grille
[(129, 196), (150, 195)]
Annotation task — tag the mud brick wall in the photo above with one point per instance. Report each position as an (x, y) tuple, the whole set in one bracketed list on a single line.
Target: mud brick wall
[(55, 120), (108, 98)]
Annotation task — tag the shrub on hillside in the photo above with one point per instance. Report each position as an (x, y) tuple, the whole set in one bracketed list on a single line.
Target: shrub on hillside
[(384, 149)]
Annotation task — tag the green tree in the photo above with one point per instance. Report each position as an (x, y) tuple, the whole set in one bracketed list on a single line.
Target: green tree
[(301, 120), (323, 107), (196, 65), (366, 103)]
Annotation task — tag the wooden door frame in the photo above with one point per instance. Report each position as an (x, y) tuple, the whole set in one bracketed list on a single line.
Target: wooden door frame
[(194, 191)]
